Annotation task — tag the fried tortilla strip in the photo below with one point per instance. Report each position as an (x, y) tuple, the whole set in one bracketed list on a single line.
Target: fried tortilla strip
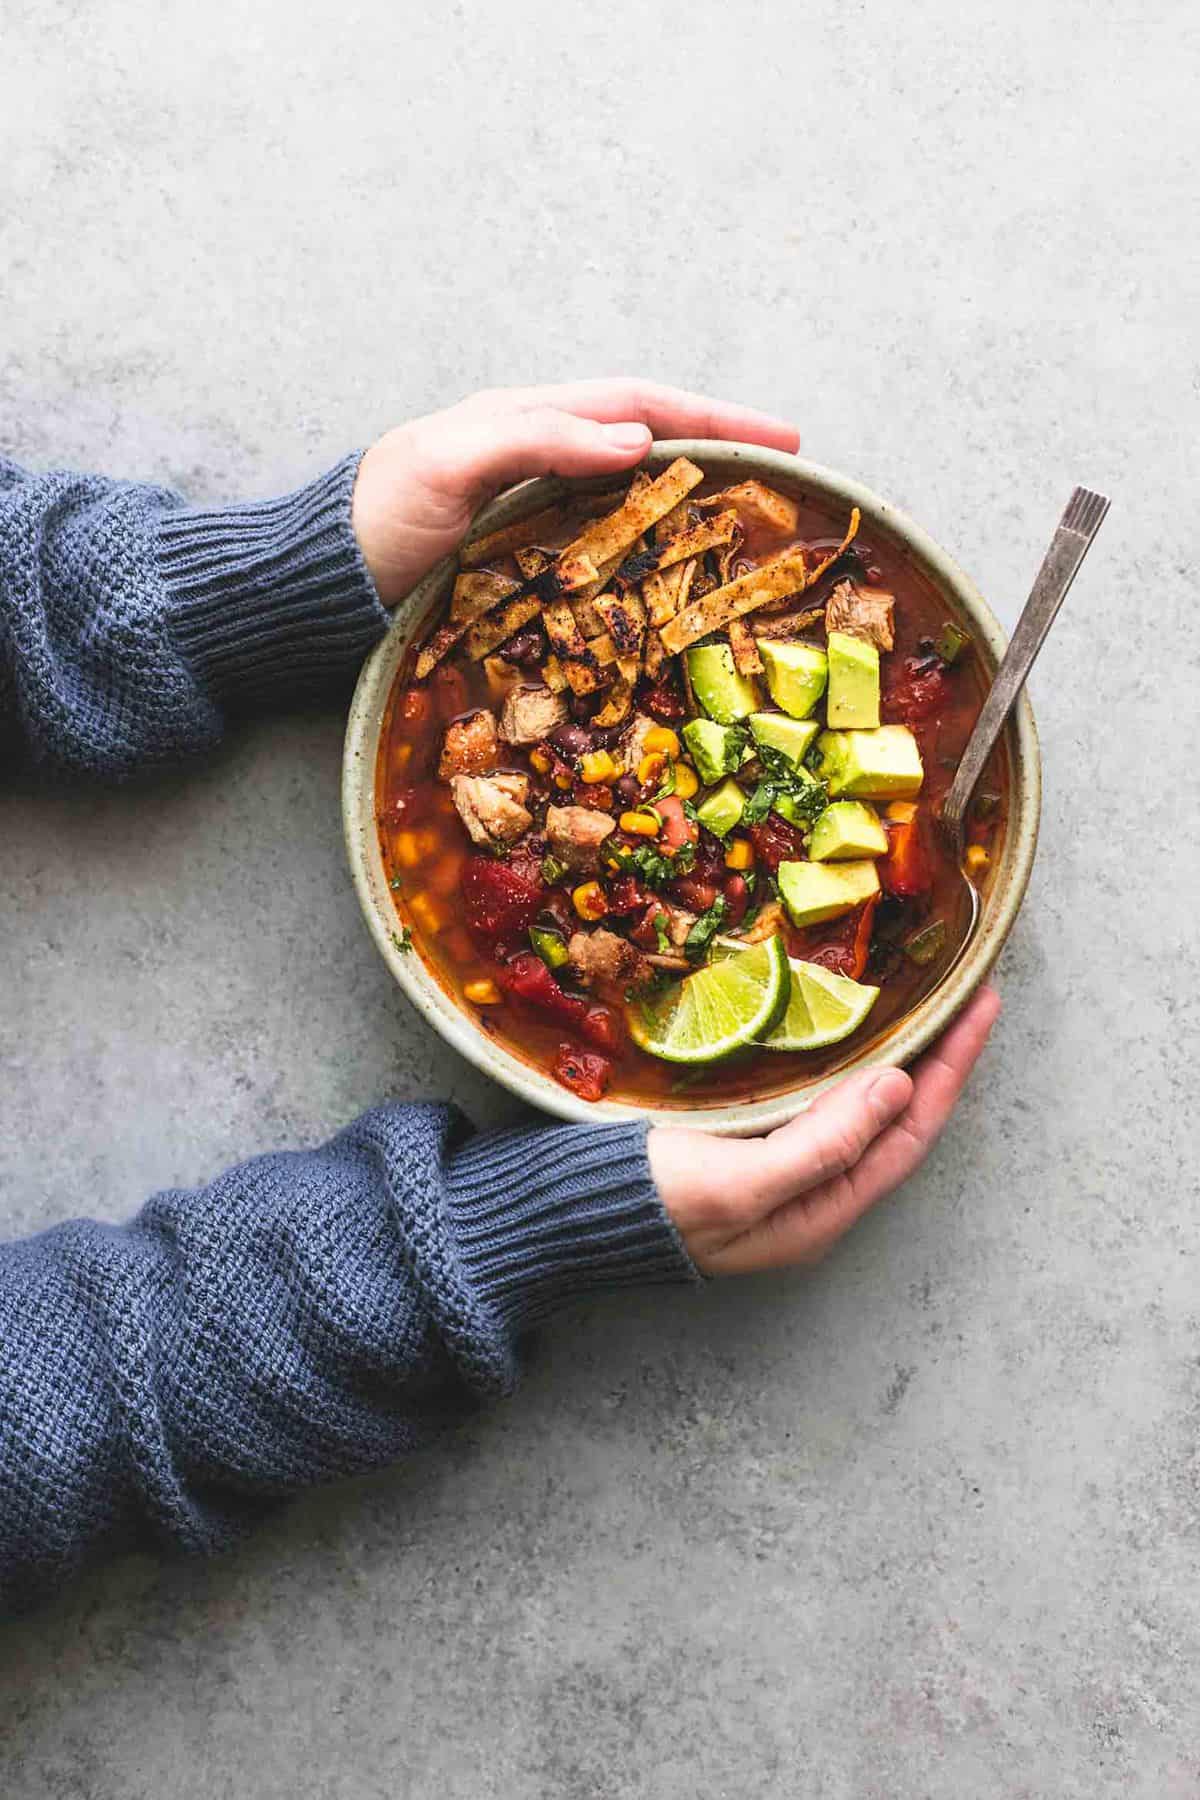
[(552, 674), (618, 705), (488, 634), (677, 520), (509, 538), (784, 574), (708, 534), (787, 624), (657, 599), (746, 659), (475, 594), (758, 504), (533, 561), (625, 617), (642, 507), (566, 639), (653, 656)]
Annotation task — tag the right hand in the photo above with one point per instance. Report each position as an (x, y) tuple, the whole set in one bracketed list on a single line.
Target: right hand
[(747, 1204)]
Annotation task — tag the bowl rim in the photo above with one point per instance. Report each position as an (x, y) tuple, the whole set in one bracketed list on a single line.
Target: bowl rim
[(913, 1033)]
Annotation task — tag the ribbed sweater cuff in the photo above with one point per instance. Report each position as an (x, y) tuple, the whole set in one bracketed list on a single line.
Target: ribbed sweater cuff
[(272, 600), (543, 1216)]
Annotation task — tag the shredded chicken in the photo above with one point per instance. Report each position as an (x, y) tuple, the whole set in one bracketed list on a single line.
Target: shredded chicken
[(770, 919), (633, 742), (601, 957), (576, 834), (530, 714), (471, 746), (491, 808), (862, 612)]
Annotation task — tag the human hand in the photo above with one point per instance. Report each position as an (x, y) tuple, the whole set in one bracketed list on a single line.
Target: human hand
[(420, 485), (744, 1205)]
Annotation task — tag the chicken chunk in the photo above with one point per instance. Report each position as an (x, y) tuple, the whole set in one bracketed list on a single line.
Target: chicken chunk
[(470, 746), (531, 714), (576, 834), (601, 958), (862, 612), (633, 741), (491, 809)]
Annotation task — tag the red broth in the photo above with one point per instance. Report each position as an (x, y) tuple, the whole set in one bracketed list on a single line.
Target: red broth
[(425, 847)]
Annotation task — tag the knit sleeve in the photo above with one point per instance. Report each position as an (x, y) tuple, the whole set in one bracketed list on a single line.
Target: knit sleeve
[(131, 626), (306, 1316)]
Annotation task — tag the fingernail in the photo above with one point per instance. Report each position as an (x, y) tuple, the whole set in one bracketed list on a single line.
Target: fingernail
[(888, 1094), (627, 437)]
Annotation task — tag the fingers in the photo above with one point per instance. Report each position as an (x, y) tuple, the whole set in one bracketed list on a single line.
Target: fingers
[(833, 1135), (668, 411), (491, 452)]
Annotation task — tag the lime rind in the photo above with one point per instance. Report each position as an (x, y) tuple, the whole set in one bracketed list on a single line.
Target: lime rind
[(721, 1008)]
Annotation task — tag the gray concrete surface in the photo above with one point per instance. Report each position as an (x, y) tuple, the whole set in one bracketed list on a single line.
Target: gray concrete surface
[(925, 1524)]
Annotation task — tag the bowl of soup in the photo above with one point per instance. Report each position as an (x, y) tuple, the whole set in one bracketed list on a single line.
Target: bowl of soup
[(640, 790)]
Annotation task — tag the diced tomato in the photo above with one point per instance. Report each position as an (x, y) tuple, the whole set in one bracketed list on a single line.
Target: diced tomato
[(596, 794), (582, 1071), (601, 1027), (450, 691), (844, 944), (416, 706), (775, 841), (693, 893), (915, 691), (500, 902), (626, 895), (737, 899), (905, 871), (677, 828)]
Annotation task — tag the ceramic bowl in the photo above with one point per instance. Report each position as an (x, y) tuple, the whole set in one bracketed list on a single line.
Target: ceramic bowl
[(901, 1042)]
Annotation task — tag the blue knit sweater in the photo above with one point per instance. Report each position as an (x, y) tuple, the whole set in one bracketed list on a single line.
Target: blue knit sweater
[(309, 1314)]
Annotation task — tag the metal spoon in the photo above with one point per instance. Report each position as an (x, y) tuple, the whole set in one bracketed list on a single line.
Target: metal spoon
[(1079, 524)]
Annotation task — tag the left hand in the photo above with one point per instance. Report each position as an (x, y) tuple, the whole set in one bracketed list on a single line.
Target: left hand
[(420, 485)]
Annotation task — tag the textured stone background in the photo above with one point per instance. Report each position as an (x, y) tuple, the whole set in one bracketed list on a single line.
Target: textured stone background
[(925, 1524)]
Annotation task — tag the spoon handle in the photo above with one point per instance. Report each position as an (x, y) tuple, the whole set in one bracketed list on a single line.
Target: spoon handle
[(1072, 539)]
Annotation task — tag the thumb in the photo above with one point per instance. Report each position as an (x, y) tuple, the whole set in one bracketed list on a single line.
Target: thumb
[(832, 1136), (492, 453)]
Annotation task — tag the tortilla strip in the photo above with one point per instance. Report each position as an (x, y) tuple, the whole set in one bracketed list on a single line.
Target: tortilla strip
[(552, 674), (509, 538), (746, 659), (788, 624), (784, 574), (617, 706), (488, 634), (657, 599), (653, 656), (677, 520), (475, 594), (625, 617), (708, 534), (761, 504), (566, 639), (642, 507), (533, 561)]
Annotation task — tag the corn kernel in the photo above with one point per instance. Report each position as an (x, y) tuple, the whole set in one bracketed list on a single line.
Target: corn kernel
[(428, 912), (641, 824), (563, 780), (408, 850), (429, 842), (687, 782), (976, 860), (661, 737), (482, 993), (401, 757), (902, 812), (739, 854), (652, 768), (598, 765), (588, 900), (541, 760)]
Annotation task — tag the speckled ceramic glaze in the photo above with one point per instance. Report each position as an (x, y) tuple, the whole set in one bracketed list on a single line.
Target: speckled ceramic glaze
[(899, 1044)]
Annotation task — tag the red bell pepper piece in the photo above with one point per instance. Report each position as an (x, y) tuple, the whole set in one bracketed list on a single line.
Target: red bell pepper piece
[(582, 1071), (905, 870), (847, 944)]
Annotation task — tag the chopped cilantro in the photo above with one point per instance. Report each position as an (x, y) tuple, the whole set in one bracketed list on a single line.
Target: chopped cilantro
[(402, 940), (552, 870), (395, 884), (662, 934), (668, 786), (705, 930)]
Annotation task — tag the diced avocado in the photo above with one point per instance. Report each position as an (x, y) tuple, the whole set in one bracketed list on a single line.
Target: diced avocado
[(716, 750), (723, 808), (813, 891), (796, 675), (788, 807), (871, 765), (725, 695), (846, 829), (853, 683), (790, 737)]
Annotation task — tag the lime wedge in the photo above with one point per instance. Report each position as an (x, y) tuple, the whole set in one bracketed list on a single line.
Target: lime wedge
[(732, 1002), (823, 1008)]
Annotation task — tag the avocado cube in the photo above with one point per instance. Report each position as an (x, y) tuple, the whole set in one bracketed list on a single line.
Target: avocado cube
[(790, 737), (847, 829), (871, 765), (723, 808), (796, 675), (716, 750), (853, 683), (785, 804), (814, 891), (725, 695)]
